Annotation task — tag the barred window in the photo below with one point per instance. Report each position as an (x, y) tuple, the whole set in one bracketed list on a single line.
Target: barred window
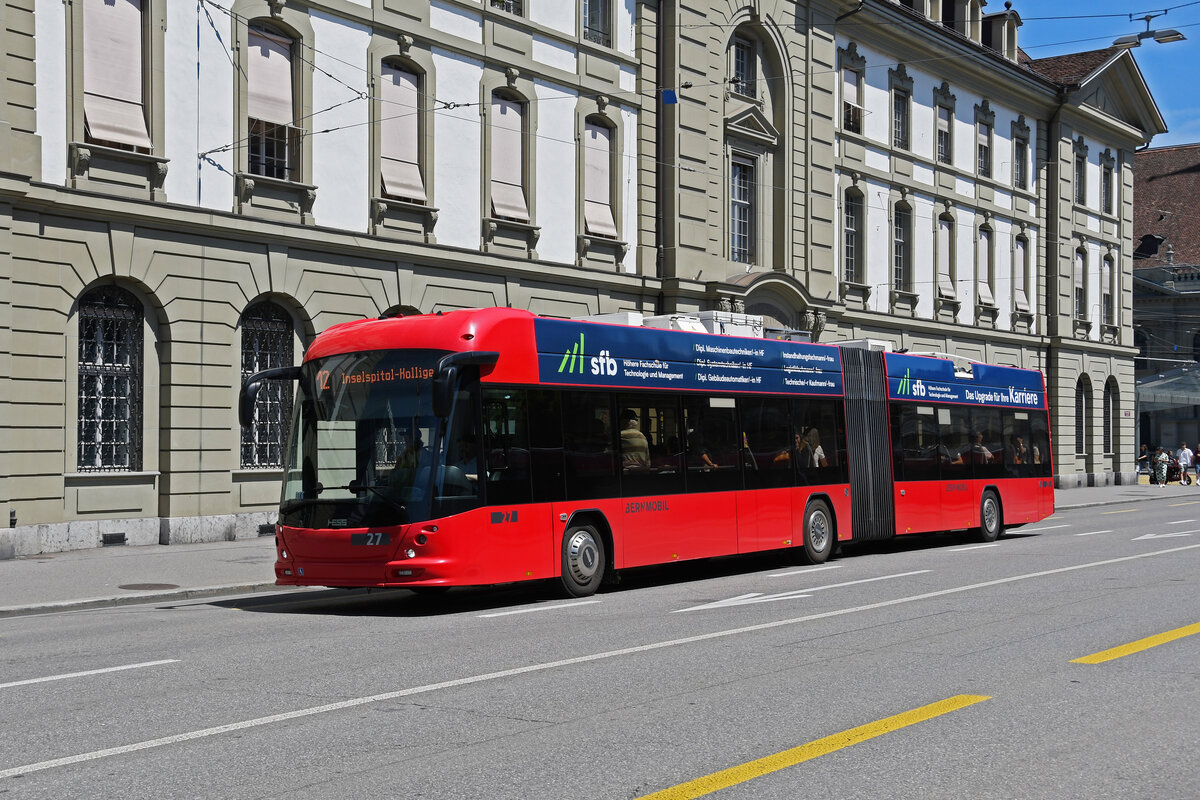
[(110, 381), (267, 343)]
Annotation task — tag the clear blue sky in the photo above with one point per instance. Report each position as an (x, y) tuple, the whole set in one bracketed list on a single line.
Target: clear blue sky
[(1172, 71)]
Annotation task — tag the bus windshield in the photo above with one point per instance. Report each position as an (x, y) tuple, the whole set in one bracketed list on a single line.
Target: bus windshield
[(366, 448)]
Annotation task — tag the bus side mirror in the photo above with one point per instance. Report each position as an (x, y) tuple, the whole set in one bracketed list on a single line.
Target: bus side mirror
[(443, 391), (445, 379), (249, 393)]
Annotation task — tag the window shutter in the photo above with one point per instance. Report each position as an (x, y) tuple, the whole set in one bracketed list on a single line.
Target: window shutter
[(597, 181), (508, 160), (400, 163), (112, 72), (945, 243), (269, 62), (983, 268)]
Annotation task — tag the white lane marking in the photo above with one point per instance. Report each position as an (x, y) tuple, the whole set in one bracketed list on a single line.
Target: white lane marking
[(804, 571), (67, 675), (1162, 535), (1181, 522), (1092, 533), (795, 594), (972, 547), (566, 662), (1047, 528), (539, 608)]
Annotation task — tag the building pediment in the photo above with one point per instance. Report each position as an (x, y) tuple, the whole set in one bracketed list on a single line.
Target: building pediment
[(1118, 90), (746, 121)]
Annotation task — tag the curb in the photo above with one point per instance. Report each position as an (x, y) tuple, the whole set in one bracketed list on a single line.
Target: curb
[(143, 597)]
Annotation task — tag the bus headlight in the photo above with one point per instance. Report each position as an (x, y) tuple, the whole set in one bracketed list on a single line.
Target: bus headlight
[(410, 553)]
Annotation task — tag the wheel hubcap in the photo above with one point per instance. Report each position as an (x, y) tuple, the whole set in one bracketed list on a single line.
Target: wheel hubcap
[(583, 557), (818, 531), (989, 515)]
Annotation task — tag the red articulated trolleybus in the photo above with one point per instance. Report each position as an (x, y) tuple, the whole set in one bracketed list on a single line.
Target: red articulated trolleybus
[(491, 446)]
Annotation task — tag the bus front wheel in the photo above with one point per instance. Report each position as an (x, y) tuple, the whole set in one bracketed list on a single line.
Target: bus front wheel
[(991, 520), (818, 533), (583, 561)]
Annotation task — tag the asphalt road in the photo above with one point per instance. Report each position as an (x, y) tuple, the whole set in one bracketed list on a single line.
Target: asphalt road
[(923, 668)]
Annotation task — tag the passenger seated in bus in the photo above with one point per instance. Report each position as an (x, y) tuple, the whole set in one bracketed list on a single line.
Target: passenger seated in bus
[(806, 451), (635, 449), (979, 452), (699, 456)]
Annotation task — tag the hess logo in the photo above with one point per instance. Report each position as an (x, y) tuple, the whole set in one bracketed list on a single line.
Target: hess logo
[(604, 364)]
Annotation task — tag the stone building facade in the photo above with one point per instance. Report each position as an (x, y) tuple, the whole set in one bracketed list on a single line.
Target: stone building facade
[(190, 192)]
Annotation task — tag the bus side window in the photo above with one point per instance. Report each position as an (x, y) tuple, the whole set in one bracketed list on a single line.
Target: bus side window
[(987, 446), (506, 446), (651, 457), (770, 447), (589, 443), (1039, 448), (955, 426), (819, 426), (712, 444), (546, 445)]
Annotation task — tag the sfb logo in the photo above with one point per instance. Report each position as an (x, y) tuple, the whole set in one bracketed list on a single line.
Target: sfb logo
[(604, 364)]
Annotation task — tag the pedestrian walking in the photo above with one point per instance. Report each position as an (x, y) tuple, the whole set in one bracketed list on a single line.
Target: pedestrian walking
[(1185, 457), (1143, 463), (1161, 460)]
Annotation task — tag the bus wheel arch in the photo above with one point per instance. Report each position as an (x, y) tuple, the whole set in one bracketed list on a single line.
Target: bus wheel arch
[(586, 553), (991, 517), (819, 530)]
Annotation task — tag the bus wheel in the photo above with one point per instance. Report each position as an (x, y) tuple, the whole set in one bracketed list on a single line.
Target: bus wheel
[(818, 533), (991, 521), (582, 561)]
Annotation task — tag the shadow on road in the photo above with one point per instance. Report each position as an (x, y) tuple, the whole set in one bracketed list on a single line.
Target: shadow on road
[(407, 603)]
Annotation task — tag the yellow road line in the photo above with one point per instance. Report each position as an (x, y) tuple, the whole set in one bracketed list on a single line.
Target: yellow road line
[(1122, 511), (1188, 503), (806, 752), (1138, 646)]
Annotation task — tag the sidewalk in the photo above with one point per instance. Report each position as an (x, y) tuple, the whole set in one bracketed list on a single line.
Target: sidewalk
[(112, 576)]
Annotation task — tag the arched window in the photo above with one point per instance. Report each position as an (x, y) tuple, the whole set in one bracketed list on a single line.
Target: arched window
[(1083, 413), (1112, 411), (110, 381), (267, 343)]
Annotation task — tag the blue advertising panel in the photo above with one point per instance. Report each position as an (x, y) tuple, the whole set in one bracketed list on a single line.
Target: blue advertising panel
[(618, 356), (932, 380)]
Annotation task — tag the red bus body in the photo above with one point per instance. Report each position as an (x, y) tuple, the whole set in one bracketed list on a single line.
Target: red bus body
[(505, 542)]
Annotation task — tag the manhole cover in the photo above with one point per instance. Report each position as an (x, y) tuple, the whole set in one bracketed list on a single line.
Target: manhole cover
[(147, 586)]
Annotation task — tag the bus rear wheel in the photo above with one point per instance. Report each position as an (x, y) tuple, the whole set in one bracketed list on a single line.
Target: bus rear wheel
[(818, 532), (583, 561), (991, 520)]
